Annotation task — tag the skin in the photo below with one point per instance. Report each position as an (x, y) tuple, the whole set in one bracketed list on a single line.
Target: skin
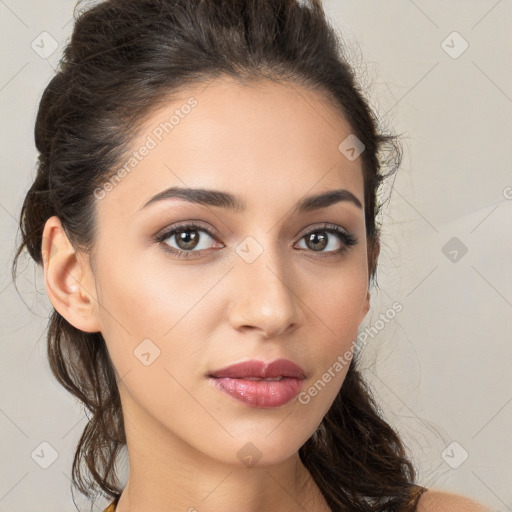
[(440, 501), (271, 145)]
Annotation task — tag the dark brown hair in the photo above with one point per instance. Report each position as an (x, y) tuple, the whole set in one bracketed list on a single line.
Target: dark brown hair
[(124, 59)]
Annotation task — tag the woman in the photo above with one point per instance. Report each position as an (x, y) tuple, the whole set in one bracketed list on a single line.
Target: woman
[(205, 214)]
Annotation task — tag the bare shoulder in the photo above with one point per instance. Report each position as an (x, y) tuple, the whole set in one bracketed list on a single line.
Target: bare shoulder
[(441, 501)]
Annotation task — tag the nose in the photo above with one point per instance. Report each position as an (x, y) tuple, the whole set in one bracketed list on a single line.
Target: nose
[(263, 298)]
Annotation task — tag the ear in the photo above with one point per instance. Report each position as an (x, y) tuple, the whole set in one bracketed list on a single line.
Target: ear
[(68, 278)]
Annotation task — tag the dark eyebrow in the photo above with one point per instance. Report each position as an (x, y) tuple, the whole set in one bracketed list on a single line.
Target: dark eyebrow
[(327, 199), (227, 200)]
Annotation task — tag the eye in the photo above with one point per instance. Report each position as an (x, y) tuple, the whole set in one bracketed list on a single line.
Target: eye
[(329, 236), (190, 240)]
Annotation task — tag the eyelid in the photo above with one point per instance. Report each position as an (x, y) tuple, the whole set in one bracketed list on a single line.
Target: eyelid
[(325, 226), (189, 224)]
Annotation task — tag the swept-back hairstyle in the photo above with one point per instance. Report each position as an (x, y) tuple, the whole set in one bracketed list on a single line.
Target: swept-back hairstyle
[(127, 57)]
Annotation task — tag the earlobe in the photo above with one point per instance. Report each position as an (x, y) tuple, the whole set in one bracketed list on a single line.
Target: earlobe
[(68, 279)]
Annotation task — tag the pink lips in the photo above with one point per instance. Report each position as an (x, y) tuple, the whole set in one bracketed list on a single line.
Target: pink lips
[(259, 384)]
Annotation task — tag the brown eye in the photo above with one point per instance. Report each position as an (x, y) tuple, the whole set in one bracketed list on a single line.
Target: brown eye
[(187, 239), (331, 237), (317, 241)]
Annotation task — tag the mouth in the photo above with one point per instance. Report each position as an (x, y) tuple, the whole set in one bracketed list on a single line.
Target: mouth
[(259, 384), (268, 379), (259, 370)]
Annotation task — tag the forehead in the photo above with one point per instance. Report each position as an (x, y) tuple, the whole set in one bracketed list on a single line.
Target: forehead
[(261, 140)]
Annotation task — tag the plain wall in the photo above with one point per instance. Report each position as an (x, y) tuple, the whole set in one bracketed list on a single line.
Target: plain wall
[(441, 366)]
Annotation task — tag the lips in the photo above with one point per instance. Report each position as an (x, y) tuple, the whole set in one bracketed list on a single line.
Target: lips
[(259, 384), (257, 370)]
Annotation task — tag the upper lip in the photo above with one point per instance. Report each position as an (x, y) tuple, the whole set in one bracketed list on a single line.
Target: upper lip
[(262, 370)]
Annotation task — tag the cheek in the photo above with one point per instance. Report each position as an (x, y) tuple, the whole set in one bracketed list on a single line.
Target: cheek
[(151, 325), (343, 311), (334, 322), (149, 307), (336, 303)]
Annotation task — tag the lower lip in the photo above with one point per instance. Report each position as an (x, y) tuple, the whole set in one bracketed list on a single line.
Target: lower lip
[(260, 393)]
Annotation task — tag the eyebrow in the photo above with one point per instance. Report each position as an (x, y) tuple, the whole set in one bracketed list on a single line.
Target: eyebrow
[(226, 200)]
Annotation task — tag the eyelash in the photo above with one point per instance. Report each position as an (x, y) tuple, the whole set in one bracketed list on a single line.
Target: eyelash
[(346, 239)]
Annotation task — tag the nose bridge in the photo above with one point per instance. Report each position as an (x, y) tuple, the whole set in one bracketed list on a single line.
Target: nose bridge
[(265, 298)]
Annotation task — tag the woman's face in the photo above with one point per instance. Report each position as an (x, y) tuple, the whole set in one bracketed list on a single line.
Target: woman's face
[(261, 282)]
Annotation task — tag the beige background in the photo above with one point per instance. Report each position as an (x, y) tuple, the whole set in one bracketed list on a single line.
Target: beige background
[(441, 367)]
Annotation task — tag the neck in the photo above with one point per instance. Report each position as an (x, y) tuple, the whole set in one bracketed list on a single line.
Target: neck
[(252, 490), (167, 474)]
